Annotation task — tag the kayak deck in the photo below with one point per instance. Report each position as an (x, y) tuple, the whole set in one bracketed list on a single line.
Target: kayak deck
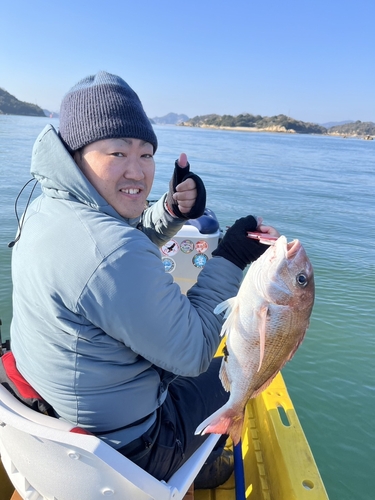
[(278, 462)]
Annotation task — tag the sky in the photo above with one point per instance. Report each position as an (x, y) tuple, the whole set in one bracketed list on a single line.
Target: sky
[(313, 60)]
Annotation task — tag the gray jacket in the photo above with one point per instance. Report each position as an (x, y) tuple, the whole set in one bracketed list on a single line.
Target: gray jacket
[(98, 326)]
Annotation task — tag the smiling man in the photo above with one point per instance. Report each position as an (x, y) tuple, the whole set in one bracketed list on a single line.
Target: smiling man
[(99, 329), (121, 170)]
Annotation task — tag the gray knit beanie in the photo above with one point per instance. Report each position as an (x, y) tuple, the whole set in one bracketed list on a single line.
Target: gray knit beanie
[(103, 106)]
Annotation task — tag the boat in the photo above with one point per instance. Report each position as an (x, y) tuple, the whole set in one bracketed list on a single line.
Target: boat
[(277, 459), (274, 460)]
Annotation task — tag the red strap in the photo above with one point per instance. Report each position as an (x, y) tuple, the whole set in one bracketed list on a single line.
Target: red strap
[(18, 380), (79, 430)]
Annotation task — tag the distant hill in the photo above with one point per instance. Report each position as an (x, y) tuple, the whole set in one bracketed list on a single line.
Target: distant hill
[(357, 128), (279, 123), (170, 119), (335, 124), (50, 114), (10, 105)]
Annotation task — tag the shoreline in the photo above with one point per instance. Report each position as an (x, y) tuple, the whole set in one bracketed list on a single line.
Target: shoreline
[(279, 130)]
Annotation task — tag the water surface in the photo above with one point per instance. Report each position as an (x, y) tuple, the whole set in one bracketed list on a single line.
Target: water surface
[(315, 188)]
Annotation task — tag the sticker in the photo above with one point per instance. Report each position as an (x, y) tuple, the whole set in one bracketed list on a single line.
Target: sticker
[(200, 260), (201, 246), (169, 264), (187, 246), (170, 248)]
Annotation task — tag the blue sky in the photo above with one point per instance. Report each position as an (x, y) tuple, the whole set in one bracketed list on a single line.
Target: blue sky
[(313, 60)]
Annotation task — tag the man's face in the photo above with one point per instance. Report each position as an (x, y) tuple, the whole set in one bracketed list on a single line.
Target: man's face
[(121, 170)]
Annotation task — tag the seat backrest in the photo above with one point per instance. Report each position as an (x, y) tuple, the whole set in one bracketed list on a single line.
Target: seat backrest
[(44, 460)]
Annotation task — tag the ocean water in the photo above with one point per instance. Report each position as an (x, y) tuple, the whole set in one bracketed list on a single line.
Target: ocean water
[(315, 188)]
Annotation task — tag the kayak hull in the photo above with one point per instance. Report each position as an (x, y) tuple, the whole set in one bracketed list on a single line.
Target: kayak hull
[(278, 462)]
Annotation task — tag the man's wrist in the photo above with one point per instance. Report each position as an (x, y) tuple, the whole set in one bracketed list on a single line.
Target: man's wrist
[(168, 209)]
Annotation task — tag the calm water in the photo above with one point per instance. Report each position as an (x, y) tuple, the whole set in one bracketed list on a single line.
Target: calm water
[(318, 189)]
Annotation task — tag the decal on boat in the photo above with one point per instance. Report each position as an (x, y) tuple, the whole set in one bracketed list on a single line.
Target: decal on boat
[(170, 248), (200, 260), (201, 246), (187, 246), (169, 264)]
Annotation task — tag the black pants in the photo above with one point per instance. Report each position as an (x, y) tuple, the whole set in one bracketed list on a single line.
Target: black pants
[(189, 402)]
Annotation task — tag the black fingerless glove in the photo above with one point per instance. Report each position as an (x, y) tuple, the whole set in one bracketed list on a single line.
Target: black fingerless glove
[(237, 247), (179, 175)]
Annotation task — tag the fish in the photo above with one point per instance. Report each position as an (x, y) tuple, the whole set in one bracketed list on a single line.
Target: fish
[(265, 324)]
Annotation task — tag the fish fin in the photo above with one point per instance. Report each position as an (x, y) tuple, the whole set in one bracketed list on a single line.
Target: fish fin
[(262, 333), (225, 420), (223, 374), (264, 385), (228, 324), (230, 305), (227, 306)]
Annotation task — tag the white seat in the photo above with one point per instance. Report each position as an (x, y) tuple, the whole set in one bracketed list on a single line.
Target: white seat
[(46, 461)]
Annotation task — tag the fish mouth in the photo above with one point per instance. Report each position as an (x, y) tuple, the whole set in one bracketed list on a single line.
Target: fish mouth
[(292, 248)]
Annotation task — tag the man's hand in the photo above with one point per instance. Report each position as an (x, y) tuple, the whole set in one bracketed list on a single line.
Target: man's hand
[(266, 230), (237, 247), (186, 192), (186, 198)]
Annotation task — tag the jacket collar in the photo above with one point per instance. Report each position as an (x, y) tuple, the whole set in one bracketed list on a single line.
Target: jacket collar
[(60, 177)]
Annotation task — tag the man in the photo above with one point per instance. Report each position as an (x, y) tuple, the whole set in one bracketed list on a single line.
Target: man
[(99, 329)]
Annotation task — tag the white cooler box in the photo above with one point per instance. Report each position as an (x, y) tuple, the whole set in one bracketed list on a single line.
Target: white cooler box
[(187, 253)]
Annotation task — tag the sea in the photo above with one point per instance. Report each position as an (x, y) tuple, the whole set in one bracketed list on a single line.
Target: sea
[(319, 189)]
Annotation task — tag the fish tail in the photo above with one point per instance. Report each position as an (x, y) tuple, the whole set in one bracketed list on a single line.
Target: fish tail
[(224, 421)]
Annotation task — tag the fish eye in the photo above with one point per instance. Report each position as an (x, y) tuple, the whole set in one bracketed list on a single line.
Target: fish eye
[(301, 279)]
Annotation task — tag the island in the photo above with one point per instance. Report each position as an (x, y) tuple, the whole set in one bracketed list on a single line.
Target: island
[(246, 122), (280, 123), (10, 105)]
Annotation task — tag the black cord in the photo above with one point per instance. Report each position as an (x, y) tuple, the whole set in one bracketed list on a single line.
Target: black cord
[(12, 243)]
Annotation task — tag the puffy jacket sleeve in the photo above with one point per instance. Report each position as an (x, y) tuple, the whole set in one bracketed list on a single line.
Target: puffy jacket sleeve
[(131, 298), (158, 224)]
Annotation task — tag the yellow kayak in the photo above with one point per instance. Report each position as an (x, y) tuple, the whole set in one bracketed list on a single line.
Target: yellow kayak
[(278, 462)]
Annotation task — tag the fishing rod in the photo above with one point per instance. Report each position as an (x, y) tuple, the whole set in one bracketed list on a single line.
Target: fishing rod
[(239, 474)]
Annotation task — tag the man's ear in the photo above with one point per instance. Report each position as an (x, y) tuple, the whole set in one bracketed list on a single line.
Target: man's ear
[(77, 157)]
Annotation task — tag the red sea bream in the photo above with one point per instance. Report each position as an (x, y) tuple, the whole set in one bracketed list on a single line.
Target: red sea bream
[(265, 324)]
